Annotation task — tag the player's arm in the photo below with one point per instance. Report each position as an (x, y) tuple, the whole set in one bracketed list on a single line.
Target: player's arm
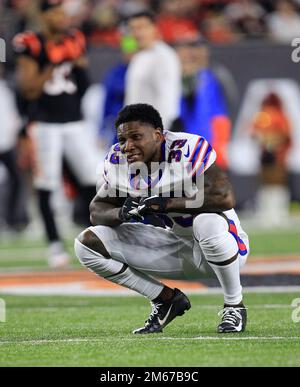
[(30, 78), (112, 212), (80, 73), (105, 211), (80, 64), (218, 195), (218, 191)]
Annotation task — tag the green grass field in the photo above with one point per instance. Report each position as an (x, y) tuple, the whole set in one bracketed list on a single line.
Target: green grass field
[(96, 331), (81, 331)]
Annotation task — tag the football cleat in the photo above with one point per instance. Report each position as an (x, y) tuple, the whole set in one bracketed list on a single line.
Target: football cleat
[(58, 258), (234, 319), (164, 312)]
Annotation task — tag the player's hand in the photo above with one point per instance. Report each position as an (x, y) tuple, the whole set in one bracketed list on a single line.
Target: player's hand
[(153, 203), (129, 211)]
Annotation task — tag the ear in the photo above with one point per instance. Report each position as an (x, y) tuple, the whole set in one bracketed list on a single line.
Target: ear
[(158, 135)]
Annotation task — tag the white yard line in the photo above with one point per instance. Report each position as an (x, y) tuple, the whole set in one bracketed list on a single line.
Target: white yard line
[(232, 338), (152, 338), (50, 309), (78, 289)]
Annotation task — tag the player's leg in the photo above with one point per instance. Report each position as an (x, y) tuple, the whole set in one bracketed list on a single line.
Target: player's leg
[(94, 252), (47, 145), (83, 196), (11, 211), (222, 254), (82, 157)]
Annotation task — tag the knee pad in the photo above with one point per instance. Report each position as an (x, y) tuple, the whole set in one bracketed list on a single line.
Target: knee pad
[(212, 233)]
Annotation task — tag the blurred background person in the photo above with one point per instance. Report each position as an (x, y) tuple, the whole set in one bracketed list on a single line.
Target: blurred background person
[(203, 109), (264, 150), (217, 28), (14, 212), (101, 26), (15, 16), (154, 74), (177, 18), (284, 23), (113, 84), (248, 18), (52, 78), (272, 131)]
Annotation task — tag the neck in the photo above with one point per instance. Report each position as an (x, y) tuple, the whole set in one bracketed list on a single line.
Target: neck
[(157, 158), (149, 45), (51, 35)]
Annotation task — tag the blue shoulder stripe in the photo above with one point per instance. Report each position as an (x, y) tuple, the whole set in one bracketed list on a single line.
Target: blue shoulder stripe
[(207, 153), (201, 166), (196, 152)]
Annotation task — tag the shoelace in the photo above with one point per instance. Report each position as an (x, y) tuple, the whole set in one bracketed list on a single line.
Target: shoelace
[(155, 309), (230, 315)]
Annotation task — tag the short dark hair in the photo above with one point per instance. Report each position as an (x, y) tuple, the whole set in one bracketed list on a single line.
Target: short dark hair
[(45, 5), (147, 14), (140, 112)]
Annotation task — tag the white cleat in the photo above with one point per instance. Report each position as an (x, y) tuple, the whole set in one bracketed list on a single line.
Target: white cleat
[(57, 256)]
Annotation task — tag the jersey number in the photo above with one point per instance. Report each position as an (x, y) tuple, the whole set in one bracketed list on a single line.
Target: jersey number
[(60, 82), (176, 152)]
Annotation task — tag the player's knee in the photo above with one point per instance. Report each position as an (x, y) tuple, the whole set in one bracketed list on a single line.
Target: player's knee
[(90, 240), (217, 244), (207, 227), (80, 252)]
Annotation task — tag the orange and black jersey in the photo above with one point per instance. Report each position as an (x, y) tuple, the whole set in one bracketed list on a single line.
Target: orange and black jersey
[(61, 98)]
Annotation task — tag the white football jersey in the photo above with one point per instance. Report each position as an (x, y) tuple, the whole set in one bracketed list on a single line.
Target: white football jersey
[(185, 157)]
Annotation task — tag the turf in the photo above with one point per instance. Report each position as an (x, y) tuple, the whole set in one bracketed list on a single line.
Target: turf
[(275, 242), (96, 331)]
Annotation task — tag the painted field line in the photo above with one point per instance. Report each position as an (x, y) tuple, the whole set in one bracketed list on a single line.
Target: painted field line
[(232, 338), (76, 289), (50, 309), (136, 338), (36, 269)]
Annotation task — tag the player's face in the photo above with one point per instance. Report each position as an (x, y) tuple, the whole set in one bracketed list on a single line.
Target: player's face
[(56, 19), (140, 142), (192, 58), (144, 31)]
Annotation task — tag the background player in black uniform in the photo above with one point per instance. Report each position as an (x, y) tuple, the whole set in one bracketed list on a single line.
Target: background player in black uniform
[(51, 77)]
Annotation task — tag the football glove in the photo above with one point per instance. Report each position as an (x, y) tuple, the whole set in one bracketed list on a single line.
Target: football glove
[(129, 210), (151, 204)]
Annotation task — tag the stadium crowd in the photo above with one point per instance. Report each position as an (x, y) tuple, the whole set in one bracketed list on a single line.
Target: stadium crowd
[(220, 21), (202, 92)]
